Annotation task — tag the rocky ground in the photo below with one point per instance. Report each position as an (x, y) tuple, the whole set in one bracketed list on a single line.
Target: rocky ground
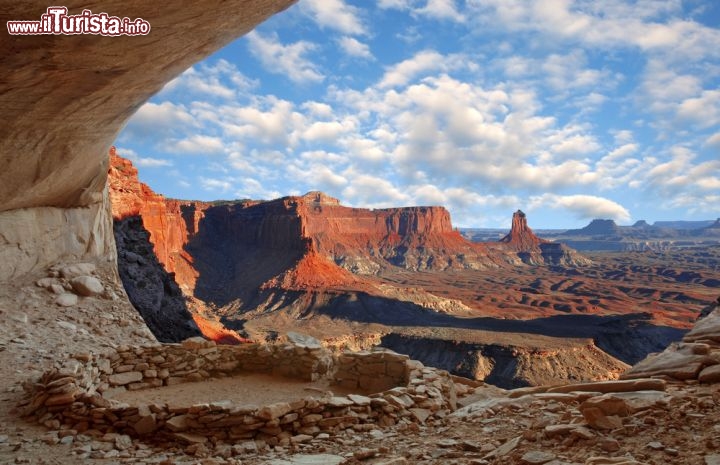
[(677, 425), (674, 423)]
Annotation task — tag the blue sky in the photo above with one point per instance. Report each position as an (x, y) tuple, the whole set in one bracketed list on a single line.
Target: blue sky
[(568, 110)]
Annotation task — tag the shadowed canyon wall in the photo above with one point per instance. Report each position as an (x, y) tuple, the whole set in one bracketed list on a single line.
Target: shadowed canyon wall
[(65, 98), (219, 250)]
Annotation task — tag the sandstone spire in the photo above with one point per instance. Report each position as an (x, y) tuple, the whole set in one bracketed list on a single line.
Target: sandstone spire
[(521, 236)]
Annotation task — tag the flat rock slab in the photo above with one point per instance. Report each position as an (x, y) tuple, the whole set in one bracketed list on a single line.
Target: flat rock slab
[(303, 340), (613, 386), (679, 362), (707, 328), (318, 459), (536, 457)]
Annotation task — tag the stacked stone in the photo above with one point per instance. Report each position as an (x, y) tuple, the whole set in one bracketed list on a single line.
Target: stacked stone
[(72, 397), (197, 359), (374, 371)]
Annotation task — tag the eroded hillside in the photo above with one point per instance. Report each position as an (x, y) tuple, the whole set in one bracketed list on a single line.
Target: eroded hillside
[(407, 279)]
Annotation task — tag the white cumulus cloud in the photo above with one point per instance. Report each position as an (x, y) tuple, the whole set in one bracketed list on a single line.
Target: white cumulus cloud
[(289, 60), (583, 206)]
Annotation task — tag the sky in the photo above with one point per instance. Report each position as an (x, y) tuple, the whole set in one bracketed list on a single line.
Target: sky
[(568, 110)]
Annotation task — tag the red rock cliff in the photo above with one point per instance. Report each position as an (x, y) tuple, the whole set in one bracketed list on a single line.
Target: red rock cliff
[(226, 247), (171, 223)]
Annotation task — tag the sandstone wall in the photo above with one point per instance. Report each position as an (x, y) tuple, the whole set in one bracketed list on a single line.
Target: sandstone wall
[(32, 238), (64, 99)]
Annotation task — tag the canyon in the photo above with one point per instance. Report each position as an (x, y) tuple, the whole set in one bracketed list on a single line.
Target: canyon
[(405, 279), (68, 321)]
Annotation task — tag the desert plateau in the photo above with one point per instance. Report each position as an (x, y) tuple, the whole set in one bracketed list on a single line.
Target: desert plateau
[(309, 232)]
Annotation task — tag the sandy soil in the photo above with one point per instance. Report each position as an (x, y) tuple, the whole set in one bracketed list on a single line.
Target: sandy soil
[(250, 389)]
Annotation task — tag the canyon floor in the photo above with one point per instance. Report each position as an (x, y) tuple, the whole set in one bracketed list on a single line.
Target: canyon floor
[(625, 304)]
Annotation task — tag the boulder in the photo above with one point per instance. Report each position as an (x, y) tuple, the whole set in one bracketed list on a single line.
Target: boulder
[(77, 269), (66, 299), (87, 286)]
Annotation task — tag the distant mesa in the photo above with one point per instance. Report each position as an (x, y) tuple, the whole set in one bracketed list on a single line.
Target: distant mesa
[(596, 227), (641, 224)]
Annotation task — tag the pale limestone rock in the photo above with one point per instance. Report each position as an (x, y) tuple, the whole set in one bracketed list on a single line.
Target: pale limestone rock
[(46, 283), (357, 399), (123, 442), (420, 414), (505, 449), (77, 269), (87, 286), (53, 234), (272, 411), (67, 325), (576, 430), (303, 340), (57, 289), (536, 457), (317, 459), (301, 438), (121, 379), (66, 299), (643, 400), (392, 461), (647, 384), (340, 402)]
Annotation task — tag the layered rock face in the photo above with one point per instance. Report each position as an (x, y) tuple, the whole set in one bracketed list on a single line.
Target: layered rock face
[(506, 366), (171, 223), (228, 251), (64, 99), (363, 241), (521, 237)]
